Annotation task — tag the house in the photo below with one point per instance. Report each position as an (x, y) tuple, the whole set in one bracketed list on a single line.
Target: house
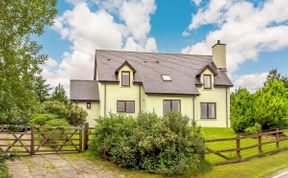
[(133, 82)]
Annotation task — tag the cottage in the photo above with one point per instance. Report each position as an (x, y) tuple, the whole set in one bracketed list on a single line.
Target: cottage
[(133, 82)]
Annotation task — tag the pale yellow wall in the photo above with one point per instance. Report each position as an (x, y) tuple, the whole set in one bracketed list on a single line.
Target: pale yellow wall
[(155, 104), (114, 92), (93, 113), (217, 95)]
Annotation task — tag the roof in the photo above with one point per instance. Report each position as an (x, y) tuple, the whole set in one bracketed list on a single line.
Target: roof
[(149, 66), (84, 90)]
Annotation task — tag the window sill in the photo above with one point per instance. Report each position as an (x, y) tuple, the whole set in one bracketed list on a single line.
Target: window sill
[(208, 119)]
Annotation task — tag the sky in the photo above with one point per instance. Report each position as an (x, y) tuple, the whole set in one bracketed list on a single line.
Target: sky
[(255, 33)]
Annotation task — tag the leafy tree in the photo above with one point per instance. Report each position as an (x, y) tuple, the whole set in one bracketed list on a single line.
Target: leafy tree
[(271, 105), (20, 56), (59, 94), (42, 89), (242, 110), (275, 75)]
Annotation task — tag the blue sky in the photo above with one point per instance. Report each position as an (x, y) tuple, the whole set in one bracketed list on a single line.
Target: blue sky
[(168, 26)]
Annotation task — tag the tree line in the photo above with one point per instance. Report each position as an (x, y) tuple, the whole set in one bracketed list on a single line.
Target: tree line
[(266, 109)]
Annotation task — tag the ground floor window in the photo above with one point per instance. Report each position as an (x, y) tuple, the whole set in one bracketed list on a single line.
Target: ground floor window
[(208, 110), (126, 106), (171, 105), (88, 105)]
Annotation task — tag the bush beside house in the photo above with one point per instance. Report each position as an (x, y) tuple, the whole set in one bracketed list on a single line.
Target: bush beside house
[(166, 145)]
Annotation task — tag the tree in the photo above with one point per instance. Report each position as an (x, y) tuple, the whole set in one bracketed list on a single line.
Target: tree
[(59, 94), (20, 56), (42, 89), (271, 105), (242, 110), (275, 75)]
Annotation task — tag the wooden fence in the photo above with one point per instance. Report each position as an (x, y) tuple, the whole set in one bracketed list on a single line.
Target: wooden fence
[(30, 140), (244, 143)]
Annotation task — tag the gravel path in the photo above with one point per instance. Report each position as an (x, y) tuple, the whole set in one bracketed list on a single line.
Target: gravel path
[(58, 166)]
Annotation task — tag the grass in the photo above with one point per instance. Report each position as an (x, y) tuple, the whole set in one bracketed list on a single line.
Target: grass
[(3, 170), (214, 133), (260, 167)]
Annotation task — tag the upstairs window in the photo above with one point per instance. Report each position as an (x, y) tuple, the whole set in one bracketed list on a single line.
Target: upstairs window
[(208, 110), (125, 78), (126, 106), (171, 105), (207, 81), (166, 77)]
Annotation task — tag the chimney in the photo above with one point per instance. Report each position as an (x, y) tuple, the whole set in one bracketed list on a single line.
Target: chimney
[(219, 55)]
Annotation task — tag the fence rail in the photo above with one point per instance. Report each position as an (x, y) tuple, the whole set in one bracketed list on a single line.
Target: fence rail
[(265, 138)]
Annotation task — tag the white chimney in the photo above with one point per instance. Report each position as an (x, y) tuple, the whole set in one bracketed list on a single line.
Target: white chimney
[(219, 55)]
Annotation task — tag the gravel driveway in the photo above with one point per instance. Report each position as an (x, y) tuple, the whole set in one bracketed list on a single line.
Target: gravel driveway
[(64, 166)]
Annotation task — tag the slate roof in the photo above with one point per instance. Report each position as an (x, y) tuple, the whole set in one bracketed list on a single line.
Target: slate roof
[(83, 90), (183, 69)]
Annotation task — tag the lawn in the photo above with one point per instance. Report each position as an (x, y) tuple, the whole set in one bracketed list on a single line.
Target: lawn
[(254, 168), (214, 133)]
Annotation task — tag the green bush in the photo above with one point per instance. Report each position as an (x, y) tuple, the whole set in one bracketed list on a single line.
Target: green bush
[(165, 145), (41, 119), (77, 115), (55, 107), (267, 107), (74, 114), (257, 128)]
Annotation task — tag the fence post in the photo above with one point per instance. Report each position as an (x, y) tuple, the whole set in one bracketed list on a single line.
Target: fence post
[(80, 139), (277, 138), (238, 147), (260, 143), (86, 135), (32, 140)]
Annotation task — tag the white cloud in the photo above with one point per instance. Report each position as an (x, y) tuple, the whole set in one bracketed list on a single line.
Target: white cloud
[(50, 63), (246, 29), (252, 82), (197, 2), (89, 30)]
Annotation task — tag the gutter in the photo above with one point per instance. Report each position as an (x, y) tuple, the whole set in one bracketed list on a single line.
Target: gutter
[(227, 124), (194, 108), (140, 100), (105, 99)]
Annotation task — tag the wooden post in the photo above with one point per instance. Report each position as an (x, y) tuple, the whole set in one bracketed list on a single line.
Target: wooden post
[(80, 139), (238, 147), (86, 135), (32, 140), (277, 138), (260, 143)]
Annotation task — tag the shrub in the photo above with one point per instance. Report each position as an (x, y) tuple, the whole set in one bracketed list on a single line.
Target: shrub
[(41, 119), (74, 114), (77, 115), (57, 108), (166, 145), (257, 128)]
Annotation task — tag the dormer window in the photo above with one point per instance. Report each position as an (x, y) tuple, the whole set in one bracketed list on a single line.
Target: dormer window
[(125, 78), (166, 77), (207, 81)]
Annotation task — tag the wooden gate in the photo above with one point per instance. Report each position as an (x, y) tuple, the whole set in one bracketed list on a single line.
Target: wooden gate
[(30, 140)]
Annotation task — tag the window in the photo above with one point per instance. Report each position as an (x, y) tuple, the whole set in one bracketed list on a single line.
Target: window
[(126, 106), (166, 77), (207, 81), (171, 105), (208, 110), (125, 78), (88, 105)]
